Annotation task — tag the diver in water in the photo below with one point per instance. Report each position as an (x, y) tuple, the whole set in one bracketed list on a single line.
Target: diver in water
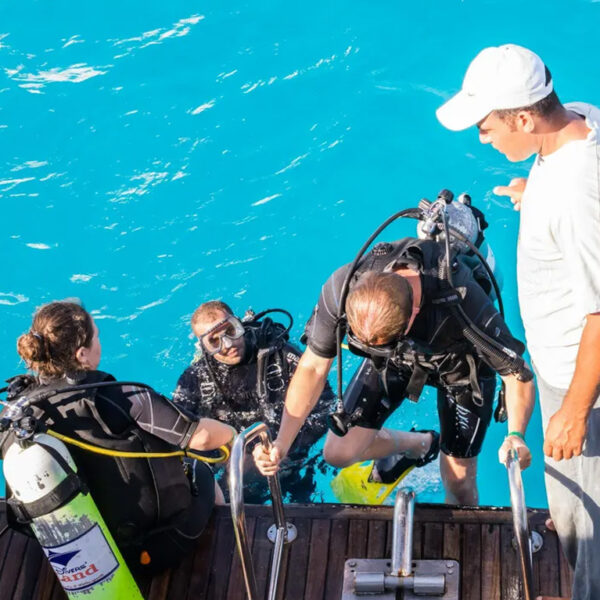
[(152, 507), (241, 377), (413, 328)]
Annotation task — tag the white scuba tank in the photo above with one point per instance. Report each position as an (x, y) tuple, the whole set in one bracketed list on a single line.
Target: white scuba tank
[(74, 537), (461, 218)]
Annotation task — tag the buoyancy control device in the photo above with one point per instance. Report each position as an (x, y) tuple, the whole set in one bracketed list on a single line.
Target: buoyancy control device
[(49, 495)]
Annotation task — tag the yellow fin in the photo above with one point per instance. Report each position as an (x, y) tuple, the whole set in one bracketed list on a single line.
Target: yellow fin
[(352, 486)]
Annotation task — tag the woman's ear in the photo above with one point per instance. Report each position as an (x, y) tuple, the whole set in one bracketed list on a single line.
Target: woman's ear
[(82, 356)]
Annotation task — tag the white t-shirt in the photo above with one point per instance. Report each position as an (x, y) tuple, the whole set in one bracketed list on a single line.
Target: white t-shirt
[(558, 257)]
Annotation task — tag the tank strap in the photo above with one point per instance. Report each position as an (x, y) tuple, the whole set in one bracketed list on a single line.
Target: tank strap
[(65, 491)]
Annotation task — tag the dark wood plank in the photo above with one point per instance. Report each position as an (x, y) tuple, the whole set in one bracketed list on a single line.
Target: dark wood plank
[(566, 574), (236, 581), (298, 561), (337, 557), (511, 574), (318, 558), (180, 578), (376, 539), (417, 541), (434, 513), (57, 592), (358, 531), (546, 565), (433, 540), (313, 569), (29, 572), (160, 586), (12, 565), (452, 536), (45, 582), (470, 563), (5, 540), (261, 554), (222, 559), (490, 562), (200, 576)]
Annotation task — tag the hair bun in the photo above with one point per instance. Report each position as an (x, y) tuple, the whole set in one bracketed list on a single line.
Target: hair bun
[(31, 347)]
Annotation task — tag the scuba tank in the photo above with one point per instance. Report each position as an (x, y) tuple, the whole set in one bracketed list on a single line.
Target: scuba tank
[(48, 494), (464, 218)]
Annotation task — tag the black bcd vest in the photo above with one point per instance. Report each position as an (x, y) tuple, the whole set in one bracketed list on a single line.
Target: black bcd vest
[(134, 495)]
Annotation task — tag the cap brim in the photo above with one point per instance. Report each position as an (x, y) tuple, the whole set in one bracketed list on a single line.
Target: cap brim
[(462, 111)]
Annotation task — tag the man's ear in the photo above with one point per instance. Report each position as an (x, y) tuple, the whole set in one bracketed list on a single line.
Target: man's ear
[(525, 122)]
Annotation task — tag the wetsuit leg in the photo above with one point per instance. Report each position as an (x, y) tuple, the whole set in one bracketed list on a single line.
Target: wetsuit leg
[(463, 419), (365, 397)]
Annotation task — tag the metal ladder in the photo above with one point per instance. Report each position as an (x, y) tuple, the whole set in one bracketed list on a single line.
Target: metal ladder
[(419, 579), (524, 542), (280, 533)]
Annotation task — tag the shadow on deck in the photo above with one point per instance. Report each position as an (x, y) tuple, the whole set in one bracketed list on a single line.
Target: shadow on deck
[(312, 569)]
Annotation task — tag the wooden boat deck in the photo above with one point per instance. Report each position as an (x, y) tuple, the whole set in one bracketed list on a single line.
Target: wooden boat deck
[(312, 569)]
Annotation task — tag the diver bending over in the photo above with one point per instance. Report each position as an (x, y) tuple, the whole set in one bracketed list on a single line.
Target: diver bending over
[(401, 315), (154, 511)]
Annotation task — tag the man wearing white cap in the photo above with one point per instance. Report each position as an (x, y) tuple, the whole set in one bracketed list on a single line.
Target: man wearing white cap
[(508, 93)]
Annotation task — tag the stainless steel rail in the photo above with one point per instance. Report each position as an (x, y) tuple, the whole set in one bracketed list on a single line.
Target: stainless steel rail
[(402, 534), (520, 523), (284, 532)]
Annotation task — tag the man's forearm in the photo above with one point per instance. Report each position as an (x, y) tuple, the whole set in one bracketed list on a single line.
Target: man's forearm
[(520, 400), (303, 394), (585, 385)]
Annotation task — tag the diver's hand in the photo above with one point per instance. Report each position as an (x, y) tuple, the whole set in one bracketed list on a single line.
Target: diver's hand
[(268, 461), (513, 442), (514, 190), (564, 435)]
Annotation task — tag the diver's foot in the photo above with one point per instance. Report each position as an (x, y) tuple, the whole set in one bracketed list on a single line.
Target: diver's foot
[(549, 523), (391, 468)]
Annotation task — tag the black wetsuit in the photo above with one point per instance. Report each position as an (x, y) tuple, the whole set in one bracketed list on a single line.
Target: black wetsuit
[(148, 504), (246, 393), (437, 352)]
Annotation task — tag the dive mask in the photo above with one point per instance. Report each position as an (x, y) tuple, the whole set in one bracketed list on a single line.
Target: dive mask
[(222, 335), (386, 350)]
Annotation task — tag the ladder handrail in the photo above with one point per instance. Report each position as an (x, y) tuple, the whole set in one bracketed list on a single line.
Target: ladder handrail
[(238, 513), (520, 523), (402, 532)]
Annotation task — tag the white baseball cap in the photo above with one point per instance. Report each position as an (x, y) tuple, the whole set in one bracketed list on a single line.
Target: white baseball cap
[(498, 78)]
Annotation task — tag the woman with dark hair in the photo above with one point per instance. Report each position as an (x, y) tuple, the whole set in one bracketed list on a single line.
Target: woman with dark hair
[(154, 509)]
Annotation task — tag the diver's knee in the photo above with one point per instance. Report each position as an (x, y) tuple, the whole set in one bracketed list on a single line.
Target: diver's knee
[(338, 454), (459, 475)]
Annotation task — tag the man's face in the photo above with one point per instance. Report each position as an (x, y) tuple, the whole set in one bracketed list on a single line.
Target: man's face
[(509, 136), (232, 350)]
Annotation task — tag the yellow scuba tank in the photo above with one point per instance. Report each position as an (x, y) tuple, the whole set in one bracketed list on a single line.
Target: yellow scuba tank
[(48, 494)]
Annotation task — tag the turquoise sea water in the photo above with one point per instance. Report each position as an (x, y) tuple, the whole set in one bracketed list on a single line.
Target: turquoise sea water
[(157, 155)]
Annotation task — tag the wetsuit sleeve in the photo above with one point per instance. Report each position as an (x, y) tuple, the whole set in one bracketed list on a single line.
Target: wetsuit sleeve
[(154, 414), (320, 329), (187, 392), (479, 308)]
